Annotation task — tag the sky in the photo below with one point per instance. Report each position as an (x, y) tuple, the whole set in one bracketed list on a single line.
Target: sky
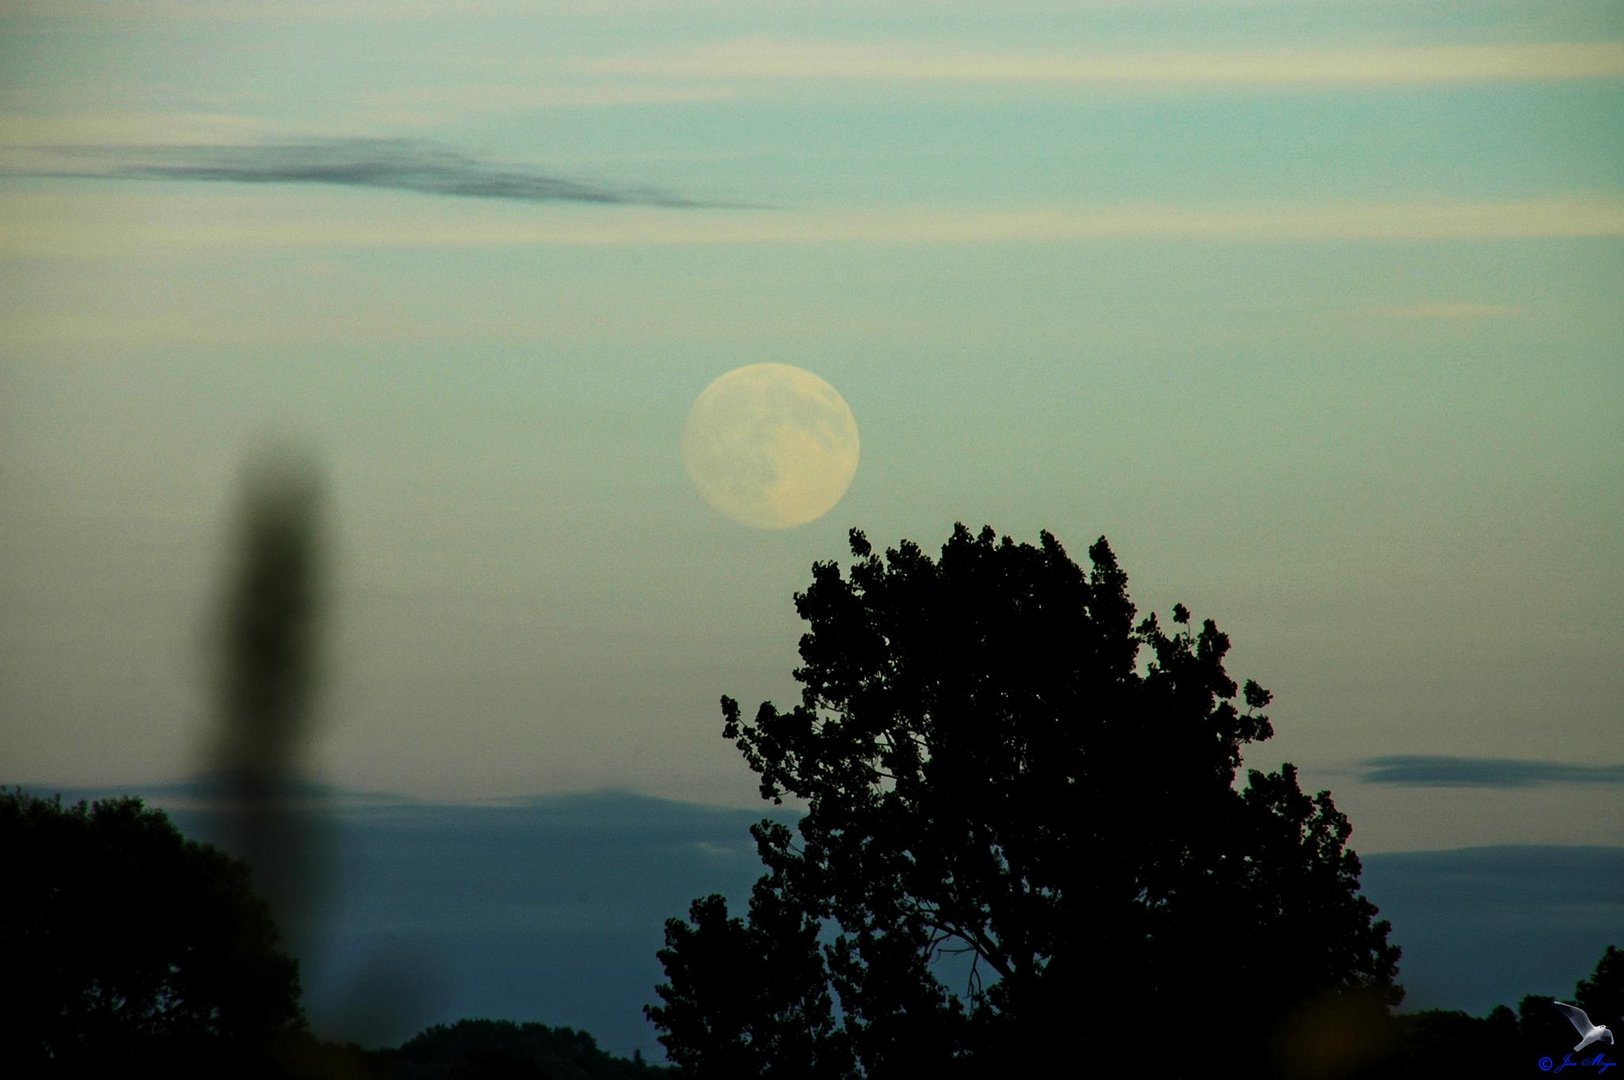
[(1312, 309)]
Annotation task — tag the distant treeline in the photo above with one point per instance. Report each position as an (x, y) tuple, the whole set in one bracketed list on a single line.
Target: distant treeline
[(1532, 1040), (1423, 1044), (1429, 1044), (479, 1050)]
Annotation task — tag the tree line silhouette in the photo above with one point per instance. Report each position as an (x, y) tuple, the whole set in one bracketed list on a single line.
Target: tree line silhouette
[(130, 947), (1025, 843)]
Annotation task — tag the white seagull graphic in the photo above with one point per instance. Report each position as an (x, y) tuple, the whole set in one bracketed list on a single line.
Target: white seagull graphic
[(1588, 1032)]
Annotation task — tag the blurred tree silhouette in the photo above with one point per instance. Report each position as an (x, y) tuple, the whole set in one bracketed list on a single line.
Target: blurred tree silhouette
[(127, 945), (269, 624), (993, 769), (267, 639)]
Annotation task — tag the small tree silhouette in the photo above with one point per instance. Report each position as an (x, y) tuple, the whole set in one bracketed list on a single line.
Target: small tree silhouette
[(127, 945), (998, 763), (1602, 995)]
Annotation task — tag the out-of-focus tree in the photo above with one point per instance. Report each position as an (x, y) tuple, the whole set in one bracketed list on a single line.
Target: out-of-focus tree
[(266, 640), (1006, 776)]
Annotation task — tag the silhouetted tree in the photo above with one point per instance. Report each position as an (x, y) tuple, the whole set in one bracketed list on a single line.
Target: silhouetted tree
[(1542, 1027), (1546, 1030), (1437, 1043), (1503, 1043), (1602, 995), (994, 770), (125, 944), (502, 1049)]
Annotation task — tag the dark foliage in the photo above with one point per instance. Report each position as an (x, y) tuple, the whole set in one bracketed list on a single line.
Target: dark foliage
[(1442, 1043), (999, 764), (124, 943), (504, 1050), (1602, 995), (1503, 1043)]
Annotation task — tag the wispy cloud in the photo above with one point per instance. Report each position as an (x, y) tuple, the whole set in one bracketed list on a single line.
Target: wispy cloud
[(392, 164), (188, 11), (51, 132), (1425, 770), (96, 225), (1190, 70), (460, 99), (1450, 312)]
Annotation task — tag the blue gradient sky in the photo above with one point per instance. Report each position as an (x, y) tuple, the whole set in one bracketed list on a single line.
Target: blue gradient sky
[(1311, 308)]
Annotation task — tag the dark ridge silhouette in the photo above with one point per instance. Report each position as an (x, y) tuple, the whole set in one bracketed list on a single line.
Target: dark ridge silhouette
[(389, 164)]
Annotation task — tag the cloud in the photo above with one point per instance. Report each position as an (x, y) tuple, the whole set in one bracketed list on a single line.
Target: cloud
[(100, 12), (86, 224), (1188, 70), (451, 102), (390, 164), (1427, 770), (1450, 311)]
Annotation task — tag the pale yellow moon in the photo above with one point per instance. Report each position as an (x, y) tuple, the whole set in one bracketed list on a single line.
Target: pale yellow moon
[(771, 446)]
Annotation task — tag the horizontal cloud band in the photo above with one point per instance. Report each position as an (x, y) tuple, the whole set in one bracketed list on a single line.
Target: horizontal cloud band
[(1423, 770), (394, 164), (1189, 71)]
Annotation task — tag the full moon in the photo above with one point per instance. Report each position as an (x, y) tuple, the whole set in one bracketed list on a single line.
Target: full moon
[(771, 446)]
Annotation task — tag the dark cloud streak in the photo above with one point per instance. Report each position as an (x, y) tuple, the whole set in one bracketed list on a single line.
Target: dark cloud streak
[(388, 164), (1425, 770)]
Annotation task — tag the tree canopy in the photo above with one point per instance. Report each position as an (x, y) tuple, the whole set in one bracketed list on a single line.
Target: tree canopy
[(501, 1048), (125, 943), (1023, 835)]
